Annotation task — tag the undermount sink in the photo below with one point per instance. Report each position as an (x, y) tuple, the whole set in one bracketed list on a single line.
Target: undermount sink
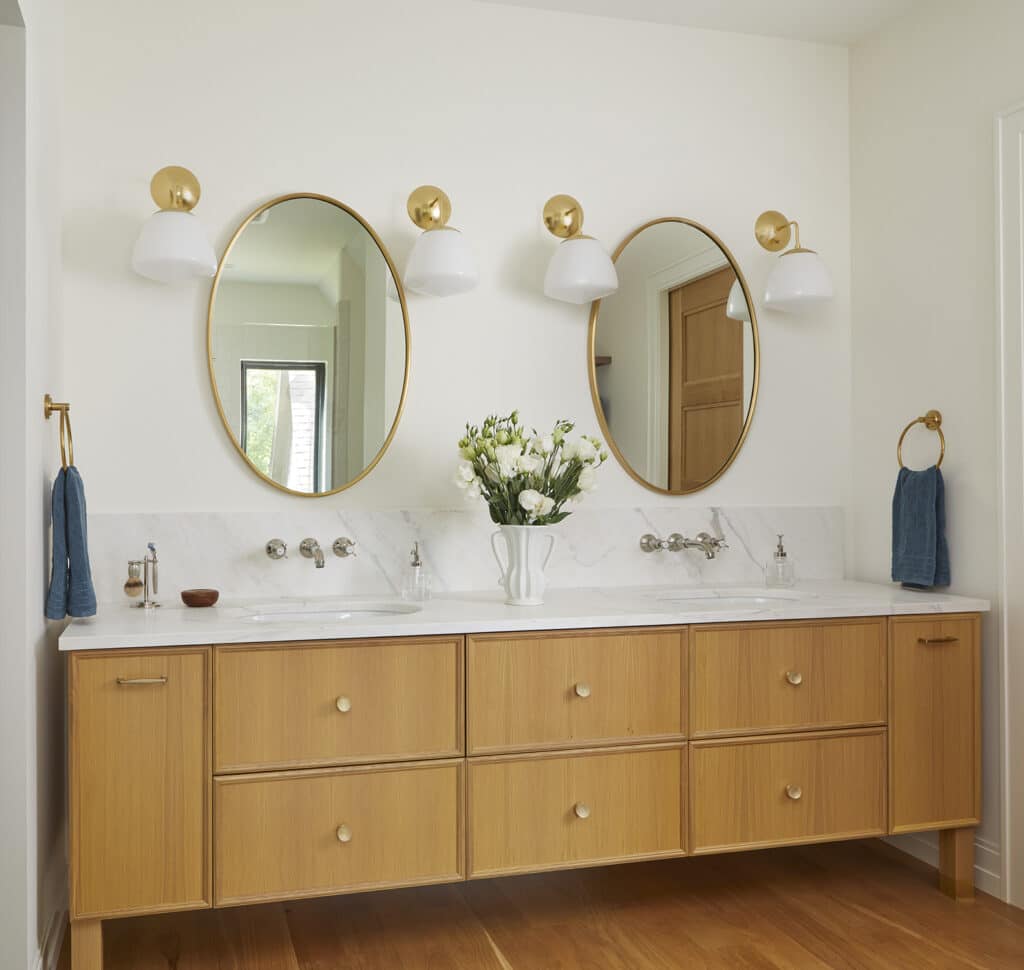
[(336, 612), (730, 599)]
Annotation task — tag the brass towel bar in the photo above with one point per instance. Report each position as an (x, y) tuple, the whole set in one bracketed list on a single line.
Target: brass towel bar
[(933, 422), (67, 441)]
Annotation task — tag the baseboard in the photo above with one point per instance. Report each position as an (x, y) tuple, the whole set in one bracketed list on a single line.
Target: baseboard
[(988, 863)]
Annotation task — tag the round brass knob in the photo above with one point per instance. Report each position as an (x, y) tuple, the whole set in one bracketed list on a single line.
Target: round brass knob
[(344, 834), (343, 704), (794, 792), (794, 677), (581, 810), (582, 690)]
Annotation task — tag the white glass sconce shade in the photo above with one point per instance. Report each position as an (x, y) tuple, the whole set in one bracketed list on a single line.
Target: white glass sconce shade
[(736, 308), (799, 280), (580, 271), (441, 264), (172, 247)]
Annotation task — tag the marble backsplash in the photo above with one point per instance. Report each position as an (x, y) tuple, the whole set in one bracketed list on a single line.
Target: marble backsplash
[(595, 547)]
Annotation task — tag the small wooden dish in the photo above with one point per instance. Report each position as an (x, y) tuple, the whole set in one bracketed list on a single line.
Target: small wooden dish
[(200, 597)]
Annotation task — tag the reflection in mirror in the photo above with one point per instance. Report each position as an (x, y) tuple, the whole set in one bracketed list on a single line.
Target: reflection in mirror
[(675, 357), (308, 343)]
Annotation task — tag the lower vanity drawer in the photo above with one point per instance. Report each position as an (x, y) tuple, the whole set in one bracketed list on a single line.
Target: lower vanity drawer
[(782, 790), (327, 831), (555, 811)]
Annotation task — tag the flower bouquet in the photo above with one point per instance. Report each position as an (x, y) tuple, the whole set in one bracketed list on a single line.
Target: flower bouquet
[(527, 480)]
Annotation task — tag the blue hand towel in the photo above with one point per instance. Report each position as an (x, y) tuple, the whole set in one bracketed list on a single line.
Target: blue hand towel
[(81, 594), (920, 554), (71, 589), (57, 598)]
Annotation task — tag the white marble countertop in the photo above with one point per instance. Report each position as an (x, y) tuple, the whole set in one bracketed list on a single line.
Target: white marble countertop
[(120, 626)]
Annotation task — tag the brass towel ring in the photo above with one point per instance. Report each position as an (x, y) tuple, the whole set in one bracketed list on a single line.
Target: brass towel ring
[(933, 422), (67, 441)]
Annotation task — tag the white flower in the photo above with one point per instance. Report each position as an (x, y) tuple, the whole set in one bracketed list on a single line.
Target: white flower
[(546, 505), (531, 500), (464, 474), (588, 479), (543, 445), (506, 456), (528, 464), (585, 451), (473, 489)]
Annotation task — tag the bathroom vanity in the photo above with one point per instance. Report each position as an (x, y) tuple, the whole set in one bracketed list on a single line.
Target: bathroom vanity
[(216, 761)]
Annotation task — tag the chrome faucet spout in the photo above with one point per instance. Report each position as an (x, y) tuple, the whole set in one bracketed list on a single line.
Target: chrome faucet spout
[(310, 548)]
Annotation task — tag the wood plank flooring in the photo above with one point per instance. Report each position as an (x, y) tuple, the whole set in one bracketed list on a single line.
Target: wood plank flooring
[(843, 906)]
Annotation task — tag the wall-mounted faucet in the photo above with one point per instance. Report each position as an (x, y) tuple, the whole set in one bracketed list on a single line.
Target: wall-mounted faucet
[(310, 548), (707, 543)]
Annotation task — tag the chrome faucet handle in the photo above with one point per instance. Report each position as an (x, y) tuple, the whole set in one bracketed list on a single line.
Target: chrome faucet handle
[(651, 543), (344, 547), (310, 548), (276, 549), (676, 542), (713, 541)]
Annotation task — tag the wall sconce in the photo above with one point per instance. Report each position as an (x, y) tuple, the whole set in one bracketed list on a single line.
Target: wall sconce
[(736, 306), (800, 277), (441, 262), (172, 245), (580, 270)]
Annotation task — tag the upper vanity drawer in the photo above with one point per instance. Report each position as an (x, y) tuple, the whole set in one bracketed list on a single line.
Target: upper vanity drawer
[(550, 690), (309, 704), (751, 678)]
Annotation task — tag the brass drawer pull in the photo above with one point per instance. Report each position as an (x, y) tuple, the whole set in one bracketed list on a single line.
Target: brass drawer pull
[(929, 640), (582, 690), (344, 834), (140, 681), (794, 792), (581, 810), (794, 677), (343, 704)]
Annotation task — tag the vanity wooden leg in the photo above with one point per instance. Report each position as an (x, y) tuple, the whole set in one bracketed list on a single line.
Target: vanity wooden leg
[(956, 863), (86, 944)]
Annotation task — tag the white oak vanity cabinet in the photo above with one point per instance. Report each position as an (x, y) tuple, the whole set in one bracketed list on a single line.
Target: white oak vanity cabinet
[(226, 775)]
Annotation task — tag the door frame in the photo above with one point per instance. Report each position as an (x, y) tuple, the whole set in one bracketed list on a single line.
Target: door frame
[(1009, 158)]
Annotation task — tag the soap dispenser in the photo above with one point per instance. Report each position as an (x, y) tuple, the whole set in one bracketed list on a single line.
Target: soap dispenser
[(416, 580), (779, 572)]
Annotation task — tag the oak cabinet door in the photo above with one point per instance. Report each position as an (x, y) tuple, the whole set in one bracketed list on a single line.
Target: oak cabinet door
[(934, 723), (139, 782)]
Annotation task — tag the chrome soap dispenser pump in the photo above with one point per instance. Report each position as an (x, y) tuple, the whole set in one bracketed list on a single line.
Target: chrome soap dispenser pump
[(779, 572), (416, 581)]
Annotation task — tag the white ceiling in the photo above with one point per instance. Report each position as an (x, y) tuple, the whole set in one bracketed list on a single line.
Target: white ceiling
[(826, 21)]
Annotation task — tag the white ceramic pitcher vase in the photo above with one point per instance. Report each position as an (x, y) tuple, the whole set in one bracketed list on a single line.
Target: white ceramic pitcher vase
[(522, 575)]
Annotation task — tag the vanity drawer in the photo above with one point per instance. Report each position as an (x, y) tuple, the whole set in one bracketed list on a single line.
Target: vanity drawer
[(551, 811), (309, 704), (777, 791), (747, 679), (549, 690), (315, 833)]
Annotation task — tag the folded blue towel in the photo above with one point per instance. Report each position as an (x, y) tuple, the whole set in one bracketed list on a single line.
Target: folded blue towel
[(920, 554), (71, 589), (57, 598)]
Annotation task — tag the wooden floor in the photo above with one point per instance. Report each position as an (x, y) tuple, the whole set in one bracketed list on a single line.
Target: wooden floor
[(844, 906)]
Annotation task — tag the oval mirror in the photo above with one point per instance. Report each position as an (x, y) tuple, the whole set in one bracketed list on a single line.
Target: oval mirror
[(308, 342), (674, 357)]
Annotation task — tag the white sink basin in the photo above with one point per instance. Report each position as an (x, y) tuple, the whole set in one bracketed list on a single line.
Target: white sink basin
[(704, 600), (335, 612)]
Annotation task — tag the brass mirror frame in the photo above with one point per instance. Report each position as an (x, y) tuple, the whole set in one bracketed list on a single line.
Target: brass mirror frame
[(595, 311), (209, 341)]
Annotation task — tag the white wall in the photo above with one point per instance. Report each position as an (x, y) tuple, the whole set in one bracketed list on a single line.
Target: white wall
[(512, 106), (924, 95), (32, 888)]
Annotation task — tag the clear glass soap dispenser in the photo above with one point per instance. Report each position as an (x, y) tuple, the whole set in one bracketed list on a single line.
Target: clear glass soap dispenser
[(416, 579), (779, 572)]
